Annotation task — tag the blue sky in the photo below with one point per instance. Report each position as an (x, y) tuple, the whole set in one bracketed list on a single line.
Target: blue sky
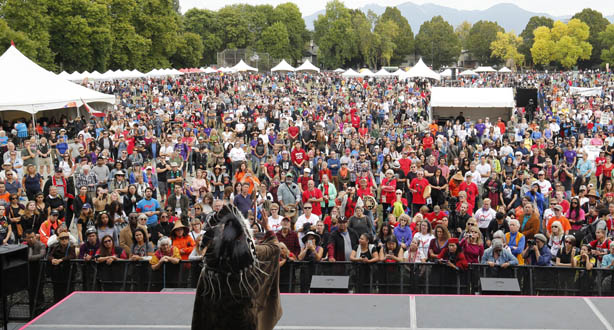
[(308, 7)]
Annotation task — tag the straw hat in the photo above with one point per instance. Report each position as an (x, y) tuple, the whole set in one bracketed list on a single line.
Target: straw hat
[(458, 176)]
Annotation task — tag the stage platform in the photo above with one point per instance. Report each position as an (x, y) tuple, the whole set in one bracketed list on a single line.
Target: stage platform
[(173, 310)]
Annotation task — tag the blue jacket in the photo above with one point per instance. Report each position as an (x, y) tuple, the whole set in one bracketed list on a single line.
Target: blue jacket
[(538, 199), (504, 256), (403, 234), (544, 258)]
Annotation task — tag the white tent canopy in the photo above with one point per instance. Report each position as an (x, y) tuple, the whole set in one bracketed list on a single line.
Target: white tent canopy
[(25, 86), (447, 102), (420, 70), (307, 66), (586, 91), (399, 72), (382, 73), (468, 73), (485, 69), (209, 70), (366, 73), (505, 70), (447, 73), (339, 70), (350, 73), (242, 66), (283, 66)]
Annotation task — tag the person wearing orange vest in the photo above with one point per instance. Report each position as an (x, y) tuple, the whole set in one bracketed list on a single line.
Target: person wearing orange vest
[(49, 227), (182, 241), (515, 240)]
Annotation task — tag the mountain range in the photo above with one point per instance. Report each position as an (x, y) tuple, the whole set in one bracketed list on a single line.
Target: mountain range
[(508, 15)]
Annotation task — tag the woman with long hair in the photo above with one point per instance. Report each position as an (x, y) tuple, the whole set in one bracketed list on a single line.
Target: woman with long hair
[(439, 242), (473, 245), (453, 255), (30, 218), (108, 251), (575, 214), (141, 246), (423, 237), (105, 226)]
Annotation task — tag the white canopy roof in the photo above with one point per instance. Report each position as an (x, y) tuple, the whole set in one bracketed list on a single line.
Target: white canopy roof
[(366, 73), (458, 97), (209, 70), (420, 70), (307, 66), (283, 66), (399, 72), (505, 70), (242, 66), (468, 73), (382, 73), (447, 73), (350, 73), (25, 86), (586, 91), (339, 70), (485, 69)]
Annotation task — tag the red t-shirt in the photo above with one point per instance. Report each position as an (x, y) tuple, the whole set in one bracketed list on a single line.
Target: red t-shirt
[(299, 156), (427, 142), (315, 193), (293, 131), (418, 185), (472, 192), (405, 165)]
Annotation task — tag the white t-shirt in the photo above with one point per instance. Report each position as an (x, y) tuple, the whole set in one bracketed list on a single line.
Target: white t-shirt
[(483, 169), (275, 224), (423, 241), (301, 221), (484, 217)]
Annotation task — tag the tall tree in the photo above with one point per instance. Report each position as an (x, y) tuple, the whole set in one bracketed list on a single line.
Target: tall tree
[(505, 47), (99, 21), (22, 42), (158, 21), (332, 30), (189, 51), (597, 24), (276, 41), (31, 18), (481, 35), (289, 14), (564, 44), (234, 31), (607, 42), (404, 40), (387, 32), (462, 31), (129, 48), (205, 23), (70, 35), (363, 40), (437, 42), (527, 35)]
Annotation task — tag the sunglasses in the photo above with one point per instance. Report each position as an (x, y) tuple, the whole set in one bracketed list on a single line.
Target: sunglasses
[(470, 224), (107, 241), (307, 207), (164, 216), (568, 242), (63, 238)]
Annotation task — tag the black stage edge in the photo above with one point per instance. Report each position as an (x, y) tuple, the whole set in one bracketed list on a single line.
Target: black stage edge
[(173, 310)]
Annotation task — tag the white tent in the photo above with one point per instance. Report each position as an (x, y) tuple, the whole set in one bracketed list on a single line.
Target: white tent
[(399, 73), (366, 73), (382, 73), (420, 70), (350, 73), (339, 70), (307, 66), (283, 66), (586, 91), (475, 102), (485, 69), (242, 66), (25, 86), (64, 75), (209, 70), (505, 70), (468, 73), (447, 73)]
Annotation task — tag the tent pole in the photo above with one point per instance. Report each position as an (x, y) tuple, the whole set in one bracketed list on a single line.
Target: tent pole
[(34, 125)]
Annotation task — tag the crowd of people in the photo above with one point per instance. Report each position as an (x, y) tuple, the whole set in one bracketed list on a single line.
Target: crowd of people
[(342, 169)]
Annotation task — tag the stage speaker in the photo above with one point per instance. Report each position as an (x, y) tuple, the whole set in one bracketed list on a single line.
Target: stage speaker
[(329, 284), (453, 77), (13, 274), (493, 285)]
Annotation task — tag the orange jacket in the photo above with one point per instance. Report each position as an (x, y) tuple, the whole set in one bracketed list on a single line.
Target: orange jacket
[(45, 230), (185, 244)]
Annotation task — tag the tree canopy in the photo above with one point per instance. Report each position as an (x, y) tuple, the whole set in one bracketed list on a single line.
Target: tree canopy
[(437, 42), (564, 43), (481, 35)]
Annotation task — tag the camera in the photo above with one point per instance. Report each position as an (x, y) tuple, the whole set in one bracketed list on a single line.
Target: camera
[(530, 242)]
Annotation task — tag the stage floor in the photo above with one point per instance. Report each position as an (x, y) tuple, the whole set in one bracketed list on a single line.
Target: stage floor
[(173, 310)]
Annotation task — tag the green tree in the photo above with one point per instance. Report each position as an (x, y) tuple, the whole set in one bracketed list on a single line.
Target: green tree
[(31, 18), (276, 41), (331, 32), (404, 40), (289, 14), (437, 42), (607, 41), (189, 51), (129, 48), (363, 41), (462, 31), (481, 35), (527, 35), (205, 23), (387, 33), (22, 42), (99, 21), (70, 35), (563, 43), (234, 32), (597, 24), (158, 21), (505, 47)]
